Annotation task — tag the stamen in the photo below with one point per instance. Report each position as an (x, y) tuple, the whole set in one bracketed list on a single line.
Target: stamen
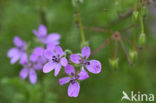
[(88, 63), (55, 59), (72, 81)]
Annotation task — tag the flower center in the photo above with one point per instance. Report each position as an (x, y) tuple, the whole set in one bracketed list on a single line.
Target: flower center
[(74, 78), (22, 48), (84, 62), (29, 65), (43, 38), (56, 59), (73, 81)]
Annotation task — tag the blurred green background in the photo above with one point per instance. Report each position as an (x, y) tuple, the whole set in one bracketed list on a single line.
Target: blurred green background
[(20, 17)]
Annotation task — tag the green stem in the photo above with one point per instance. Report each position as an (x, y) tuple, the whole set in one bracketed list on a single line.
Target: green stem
[(142, 25), (111, 45), (135, 27), (80, 25), (134, 37), (135, 5), (141, 20)]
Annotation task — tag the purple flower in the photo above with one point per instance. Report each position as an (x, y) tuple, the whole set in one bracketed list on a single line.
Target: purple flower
[(73, 78), (43, 36), (18, 52), (92, 66), (38, 58), (56, 59), (29, 69)]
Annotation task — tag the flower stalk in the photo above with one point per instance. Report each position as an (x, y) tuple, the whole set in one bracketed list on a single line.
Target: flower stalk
[(142, 38), (79, 22), (81, 27)]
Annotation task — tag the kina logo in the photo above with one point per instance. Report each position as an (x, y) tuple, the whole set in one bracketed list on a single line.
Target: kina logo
[(137, 96)]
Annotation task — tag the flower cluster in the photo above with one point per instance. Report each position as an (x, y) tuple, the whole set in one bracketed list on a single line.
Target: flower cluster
[(53, 58)]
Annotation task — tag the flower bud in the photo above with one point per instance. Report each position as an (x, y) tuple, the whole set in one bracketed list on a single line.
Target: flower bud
[(67, 51), (114, 62), (142, 39), (133, 55)]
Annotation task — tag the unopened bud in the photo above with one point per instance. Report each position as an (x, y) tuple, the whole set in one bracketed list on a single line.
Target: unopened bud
[(67, 51)]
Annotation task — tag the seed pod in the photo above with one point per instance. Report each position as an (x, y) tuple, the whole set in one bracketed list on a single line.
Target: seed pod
[(133, 55), (135, 15), (142, 39), (144, 11), (74, 3), (114, 62), (81, 1)]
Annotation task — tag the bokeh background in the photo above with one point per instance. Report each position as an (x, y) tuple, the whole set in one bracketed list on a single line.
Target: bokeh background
[(20, 17)]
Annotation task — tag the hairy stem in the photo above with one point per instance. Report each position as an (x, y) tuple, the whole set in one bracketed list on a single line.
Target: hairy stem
[(116, 49), (125, 51), (102, 46)]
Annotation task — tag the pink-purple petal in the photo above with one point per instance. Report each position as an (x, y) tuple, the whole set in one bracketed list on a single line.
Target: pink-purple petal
[(69, 69), (36, 33), (48, 54), (75, 58), (12, 52), (38, 51), (64, 61), (24, 73), (33, 57), (32, 76), (59, 51), (73, 89), (83, 74), (64, 80), (38, 66), (94, 67), (57, 69), (51, 46), (48, 67), (85, 52), (15, 58), (42, 60), (17, 41), (53, 37), (42, 30), (24, 59)]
